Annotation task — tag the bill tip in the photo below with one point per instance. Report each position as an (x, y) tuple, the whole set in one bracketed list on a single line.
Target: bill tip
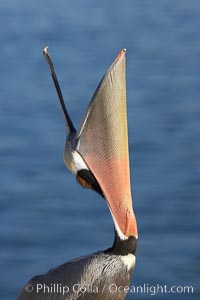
[(120, 54), (45, 49)]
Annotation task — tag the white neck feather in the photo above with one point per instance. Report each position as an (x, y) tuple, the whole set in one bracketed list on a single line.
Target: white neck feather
[(120, 234)]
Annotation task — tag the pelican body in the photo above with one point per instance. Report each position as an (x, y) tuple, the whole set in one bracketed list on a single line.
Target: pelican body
[(97, 154)]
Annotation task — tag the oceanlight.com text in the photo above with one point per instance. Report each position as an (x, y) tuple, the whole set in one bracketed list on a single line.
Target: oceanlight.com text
[(62, 289)]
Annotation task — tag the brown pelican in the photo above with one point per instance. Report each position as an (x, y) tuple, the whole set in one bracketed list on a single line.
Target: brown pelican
[(97, 154)]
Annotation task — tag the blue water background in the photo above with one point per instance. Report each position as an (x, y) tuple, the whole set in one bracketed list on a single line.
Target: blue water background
[(45, 217)]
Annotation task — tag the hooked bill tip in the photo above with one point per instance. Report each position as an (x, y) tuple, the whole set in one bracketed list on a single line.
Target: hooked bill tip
[(45, 49), (120, 54)]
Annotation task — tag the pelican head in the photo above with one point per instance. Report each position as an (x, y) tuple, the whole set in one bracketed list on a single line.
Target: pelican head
[(97, 153)]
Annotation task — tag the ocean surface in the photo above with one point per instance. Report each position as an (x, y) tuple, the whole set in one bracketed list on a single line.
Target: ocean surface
[(45, 217)]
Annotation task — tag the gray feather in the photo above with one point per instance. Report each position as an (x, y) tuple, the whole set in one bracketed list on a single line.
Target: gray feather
[(99, 273)]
